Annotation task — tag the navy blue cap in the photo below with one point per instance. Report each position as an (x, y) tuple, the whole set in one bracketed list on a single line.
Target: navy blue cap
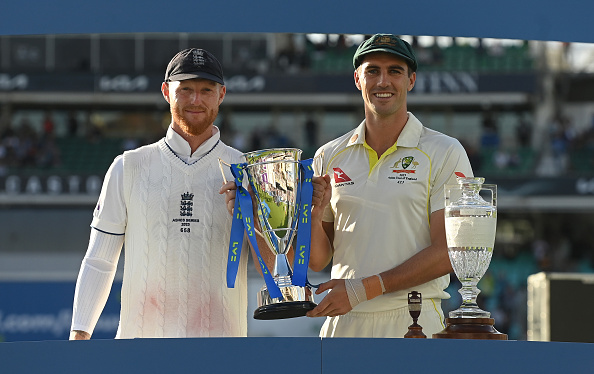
[(194, 63)]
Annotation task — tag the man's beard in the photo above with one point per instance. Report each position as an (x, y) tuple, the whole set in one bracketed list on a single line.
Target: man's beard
[(196, 127)]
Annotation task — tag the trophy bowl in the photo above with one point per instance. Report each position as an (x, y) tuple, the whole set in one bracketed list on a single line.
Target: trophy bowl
[(275, 178)]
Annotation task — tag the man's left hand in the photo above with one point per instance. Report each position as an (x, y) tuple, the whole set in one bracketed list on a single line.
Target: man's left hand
[(229, 189)]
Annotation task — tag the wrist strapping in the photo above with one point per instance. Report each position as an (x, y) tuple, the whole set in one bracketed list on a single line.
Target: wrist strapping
[(363, 289), (355, 291)]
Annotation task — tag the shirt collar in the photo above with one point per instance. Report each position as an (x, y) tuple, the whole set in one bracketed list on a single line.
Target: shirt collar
[(409, 137), (182, 149), (411, 133), (358, 136)]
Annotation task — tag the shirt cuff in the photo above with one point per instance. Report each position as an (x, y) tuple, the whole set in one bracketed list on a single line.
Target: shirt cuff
[(108, 227)]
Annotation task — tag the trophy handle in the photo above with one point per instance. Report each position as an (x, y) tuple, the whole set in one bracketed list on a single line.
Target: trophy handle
[(221, 163), (448, 192), (493, 189)]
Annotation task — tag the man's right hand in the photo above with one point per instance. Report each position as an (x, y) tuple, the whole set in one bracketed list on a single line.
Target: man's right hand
[(336, 302), (79, 335)]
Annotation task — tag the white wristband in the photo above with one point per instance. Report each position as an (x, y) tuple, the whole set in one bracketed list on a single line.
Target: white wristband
[(382, 283)]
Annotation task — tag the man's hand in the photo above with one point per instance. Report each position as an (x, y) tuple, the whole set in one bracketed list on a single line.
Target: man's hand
[(322, 192), (336, 303), (229, 189), (322, 233), (79, 335)]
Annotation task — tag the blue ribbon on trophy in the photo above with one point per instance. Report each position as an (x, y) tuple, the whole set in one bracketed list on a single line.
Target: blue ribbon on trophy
[(243, 219), (282, 186), (303, 241)]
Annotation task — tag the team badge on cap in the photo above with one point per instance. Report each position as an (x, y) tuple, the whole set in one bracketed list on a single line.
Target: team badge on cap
[(194, 63), (385, 40)]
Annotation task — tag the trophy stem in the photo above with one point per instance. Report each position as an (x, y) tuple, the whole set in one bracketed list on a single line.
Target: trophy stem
[(469, 292), (469, 308), (282, 269)]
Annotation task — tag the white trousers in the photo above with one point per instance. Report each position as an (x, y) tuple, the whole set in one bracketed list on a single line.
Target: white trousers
[(386, 324)]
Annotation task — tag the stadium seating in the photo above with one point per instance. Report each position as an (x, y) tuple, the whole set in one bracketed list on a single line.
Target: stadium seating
[(80, 155)]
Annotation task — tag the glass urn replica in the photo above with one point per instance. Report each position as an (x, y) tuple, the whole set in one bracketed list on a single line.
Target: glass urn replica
[(470, 225)]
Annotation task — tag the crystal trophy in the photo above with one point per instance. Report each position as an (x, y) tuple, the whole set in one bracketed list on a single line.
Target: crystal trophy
[(470, 225)]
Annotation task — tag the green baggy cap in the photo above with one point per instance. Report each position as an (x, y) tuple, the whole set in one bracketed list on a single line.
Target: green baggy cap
[(386, 43)]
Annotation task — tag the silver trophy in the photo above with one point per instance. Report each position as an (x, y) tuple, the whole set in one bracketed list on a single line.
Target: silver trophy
[(274, 176)]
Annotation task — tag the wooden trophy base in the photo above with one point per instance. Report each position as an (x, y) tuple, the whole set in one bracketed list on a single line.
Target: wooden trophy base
[(415, 331), (470, 328)]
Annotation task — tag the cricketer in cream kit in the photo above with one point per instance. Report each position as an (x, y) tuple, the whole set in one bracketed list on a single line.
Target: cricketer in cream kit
[(381, 208)]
